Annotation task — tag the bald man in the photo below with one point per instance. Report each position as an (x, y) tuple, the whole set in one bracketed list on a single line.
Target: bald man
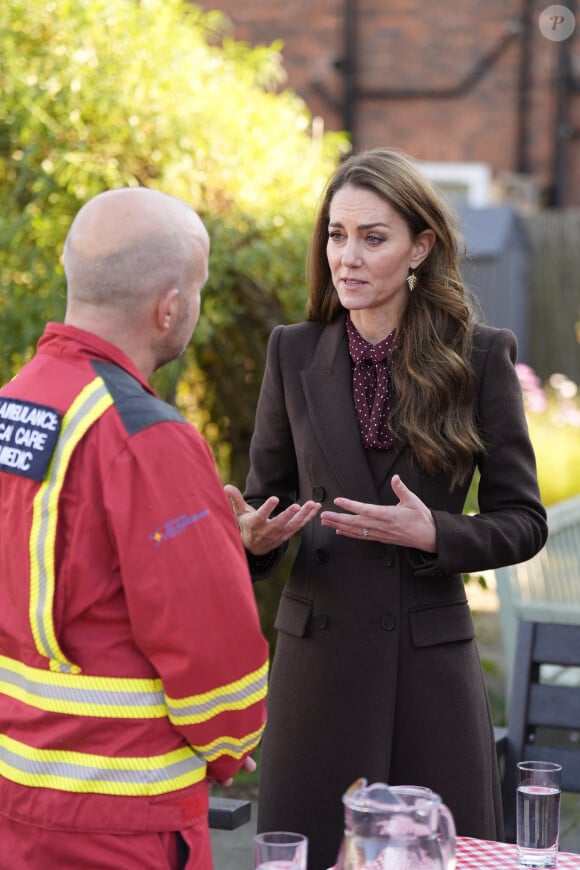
[(132, 666)]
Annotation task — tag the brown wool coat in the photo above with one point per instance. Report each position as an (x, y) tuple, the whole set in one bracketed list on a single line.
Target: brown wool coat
[(376, 671)]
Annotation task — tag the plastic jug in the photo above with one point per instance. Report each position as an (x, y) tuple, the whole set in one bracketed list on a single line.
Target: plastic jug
[(402, 827)]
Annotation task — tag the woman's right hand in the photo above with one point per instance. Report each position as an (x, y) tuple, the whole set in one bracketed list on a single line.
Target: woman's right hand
[(262, 533)]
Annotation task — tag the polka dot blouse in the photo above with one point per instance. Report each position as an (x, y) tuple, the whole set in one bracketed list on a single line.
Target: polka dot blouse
[(371, 387)]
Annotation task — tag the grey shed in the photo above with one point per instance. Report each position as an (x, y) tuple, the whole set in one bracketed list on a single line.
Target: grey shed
[(496, 267)]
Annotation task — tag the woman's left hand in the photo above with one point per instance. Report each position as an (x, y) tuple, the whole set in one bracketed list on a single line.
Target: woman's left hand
[(410, 523)]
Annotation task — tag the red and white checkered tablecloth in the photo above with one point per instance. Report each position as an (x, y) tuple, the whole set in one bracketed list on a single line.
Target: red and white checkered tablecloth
[(486, 855)]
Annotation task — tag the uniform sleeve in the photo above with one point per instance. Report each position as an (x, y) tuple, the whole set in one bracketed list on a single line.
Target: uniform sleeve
[(511, 525), (189, 593)]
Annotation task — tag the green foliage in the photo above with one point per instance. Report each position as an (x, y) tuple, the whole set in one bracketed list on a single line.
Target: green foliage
[(553, 414), (471, 502), (558, 457), (553, 417), (99, 94)]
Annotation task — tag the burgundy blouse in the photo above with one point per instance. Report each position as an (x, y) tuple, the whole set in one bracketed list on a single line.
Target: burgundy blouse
[(371, 387)]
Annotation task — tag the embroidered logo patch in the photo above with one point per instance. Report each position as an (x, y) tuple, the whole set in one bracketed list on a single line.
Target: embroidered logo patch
[(175, 527), (28, 436)]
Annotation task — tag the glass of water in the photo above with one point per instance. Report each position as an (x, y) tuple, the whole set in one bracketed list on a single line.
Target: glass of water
[(538, 813), (281, 850)]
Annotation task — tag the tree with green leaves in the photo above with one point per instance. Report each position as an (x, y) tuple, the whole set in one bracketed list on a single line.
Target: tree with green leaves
[(99, 94)]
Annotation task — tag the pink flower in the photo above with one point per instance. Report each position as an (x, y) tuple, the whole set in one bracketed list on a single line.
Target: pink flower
[(527, 377), (535, 401), (535, 398)]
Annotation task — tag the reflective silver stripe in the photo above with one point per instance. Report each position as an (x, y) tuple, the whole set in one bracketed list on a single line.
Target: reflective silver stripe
[(88, 406), (111, 697), (231, 746), (235, 696), (80, 772)]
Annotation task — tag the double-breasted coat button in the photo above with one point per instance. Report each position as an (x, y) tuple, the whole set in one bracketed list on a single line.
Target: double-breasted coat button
[(388, 622), (318, 493), (321, 556), (388, 557), (320, 619)]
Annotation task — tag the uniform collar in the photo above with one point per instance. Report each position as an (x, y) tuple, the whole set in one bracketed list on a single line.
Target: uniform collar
[(63, 340)]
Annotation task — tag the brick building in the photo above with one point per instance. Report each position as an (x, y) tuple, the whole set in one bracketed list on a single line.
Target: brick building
[(493, 85)]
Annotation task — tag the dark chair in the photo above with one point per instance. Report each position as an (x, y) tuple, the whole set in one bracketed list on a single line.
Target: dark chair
[(545, 588), (227, 814), (544, 708)]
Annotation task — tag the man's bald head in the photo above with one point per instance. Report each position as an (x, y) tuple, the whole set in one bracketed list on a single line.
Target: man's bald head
[(126, 247), (135, 261)]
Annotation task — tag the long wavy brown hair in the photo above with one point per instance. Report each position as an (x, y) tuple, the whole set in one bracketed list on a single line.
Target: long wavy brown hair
[(431, 372)]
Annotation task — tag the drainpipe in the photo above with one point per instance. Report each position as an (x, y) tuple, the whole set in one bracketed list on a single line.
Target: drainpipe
[(462, 86), (348, 67), (563, 132), (522, 160)]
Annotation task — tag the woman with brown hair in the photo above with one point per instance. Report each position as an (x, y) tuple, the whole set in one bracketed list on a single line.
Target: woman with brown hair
[(372, 418)]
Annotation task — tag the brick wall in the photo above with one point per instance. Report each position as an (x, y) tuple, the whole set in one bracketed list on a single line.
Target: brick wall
[(407, 55)]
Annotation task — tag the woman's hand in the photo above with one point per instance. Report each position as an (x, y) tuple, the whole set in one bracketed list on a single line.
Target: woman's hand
[(262, 533), (410, 523)]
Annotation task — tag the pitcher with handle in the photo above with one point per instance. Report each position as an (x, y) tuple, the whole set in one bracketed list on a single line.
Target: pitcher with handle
[(403, 827)]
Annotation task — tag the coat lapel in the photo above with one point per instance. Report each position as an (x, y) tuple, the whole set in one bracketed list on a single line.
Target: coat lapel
[(327, 388)]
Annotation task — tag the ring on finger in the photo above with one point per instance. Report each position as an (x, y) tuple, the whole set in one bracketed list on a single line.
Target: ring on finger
[(365, 533)]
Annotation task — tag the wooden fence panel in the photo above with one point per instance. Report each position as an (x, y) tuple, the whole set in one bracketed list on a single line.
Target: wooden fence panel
[(554, 292)]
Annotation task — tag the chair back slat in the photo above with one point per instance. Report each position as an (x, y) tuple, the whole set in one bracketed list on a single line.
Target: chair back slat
[(557, 644), (544, 709), (568, 758), (554, 707), (546, 588)]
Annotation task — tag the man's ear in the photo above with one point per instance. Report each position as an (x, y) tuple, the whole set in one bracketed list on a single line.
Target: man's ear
[(422, 245), (167, 308)]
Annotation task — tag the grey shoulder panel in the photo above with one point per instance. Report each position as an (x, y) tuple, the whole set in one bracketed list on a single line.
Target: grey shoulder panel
[(137, 408)]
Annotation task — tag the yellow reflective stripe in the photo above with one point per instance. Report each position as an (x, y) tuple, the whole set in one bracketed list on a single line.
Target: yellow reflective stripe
[(98, 774), (80, 695), (88, 406), (238, 695), (233, 746)]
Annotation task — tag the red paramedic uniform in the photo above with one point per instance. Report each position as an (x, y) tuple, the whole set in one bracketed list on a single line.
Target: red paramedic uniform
[(132, 665)]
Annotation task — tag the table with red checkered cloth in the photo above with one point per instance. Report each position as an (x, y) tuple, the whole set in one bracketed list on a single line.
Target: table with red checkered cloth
[(487, 855)]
